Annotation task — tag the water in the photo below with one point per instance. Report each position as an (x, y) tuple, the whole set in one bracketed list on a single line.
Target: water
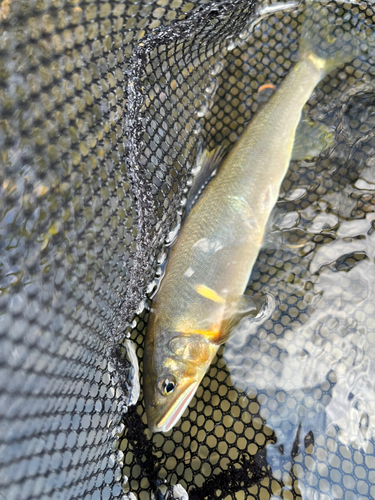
[(132, 381), (301, 384), (311, 364)]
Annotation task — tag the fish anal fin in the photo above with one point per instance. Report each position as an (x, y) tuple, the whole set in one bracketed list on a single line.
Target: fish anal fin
[(311, 139)]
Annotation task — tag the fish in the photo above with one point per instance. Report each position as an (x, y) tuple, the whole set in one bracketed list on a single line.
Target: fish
[(201, 295)]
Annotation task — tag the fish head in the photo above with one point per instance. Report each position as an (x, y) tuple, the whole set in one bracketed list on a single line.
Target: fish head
[(173, 367)]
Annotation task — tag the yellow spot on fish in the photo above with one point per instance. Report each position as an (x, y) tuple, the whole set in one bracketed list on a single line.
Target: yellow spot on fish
[(318, 62), (208, 293), (211, 333)]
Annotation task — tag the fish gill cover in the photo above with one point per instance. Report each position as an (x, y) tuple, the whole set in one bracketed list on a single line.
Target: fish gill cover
[(103, 108)]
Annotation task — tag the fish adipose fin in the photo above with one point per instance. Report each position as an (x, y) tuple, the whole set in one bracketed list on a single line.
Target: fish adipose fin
[(326, 41)]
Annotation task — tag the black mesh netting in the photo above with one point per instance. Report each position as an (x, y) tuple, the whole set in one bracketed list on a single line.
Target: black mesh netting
[(104, 107)]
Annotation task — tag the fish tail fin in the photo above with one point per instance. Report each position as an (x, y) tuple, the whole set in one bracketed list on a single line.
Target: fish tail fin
[(328, 39)]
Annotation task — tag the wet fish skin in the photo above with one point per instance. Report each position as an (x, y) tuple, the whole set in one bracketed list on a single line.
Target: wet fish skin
[(210, 264)]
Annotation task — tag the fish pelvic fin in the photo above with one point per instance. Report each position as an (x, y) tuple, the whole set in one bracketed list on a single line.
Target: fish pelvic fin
[(326, 41), (243, 209), (205, 169)]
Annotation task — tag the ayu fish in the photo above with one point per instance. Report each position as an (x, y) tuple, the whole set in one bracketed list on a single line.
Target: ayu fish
[(211, 262)]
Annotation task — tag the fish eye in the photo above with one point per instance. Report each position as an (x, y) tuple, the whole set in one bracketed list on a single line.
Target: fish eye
[(167, 386)]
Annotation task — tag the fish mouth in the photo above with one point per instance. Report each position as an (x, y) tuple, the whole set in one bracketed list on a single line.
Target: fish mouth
[(171, 417)]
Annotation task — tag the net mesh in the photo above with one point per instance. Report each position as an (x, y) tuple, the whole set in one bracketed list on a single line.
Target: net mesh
[(103, 109)]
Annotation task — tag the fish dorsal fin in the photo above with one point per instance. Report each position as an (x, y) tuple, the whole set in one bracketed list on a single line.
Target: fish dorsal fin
[(206, 166)]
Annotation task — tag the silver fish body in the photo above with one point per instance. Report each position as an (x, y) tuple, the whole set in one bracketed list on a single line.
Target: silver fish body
[(211, 262)]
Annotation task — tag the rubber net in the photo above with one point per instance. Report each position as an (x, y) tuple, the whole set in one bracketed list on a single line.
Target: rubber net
[(104, 108)]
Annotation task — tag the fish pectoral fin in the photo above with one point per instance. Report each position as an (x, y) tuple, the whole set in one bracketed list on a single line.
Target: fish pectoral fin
[(228, 327), (244, 307), (311, 139), (248, 316)]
